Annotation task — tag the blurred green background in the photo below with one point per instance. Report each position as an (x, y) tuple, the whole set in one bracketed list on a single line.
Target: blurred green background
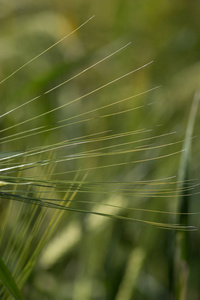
[(98, 257)]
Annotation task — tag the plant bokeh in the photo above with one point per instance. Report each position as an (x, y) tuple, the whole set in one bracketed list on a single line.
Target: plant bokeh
[(105, 258)]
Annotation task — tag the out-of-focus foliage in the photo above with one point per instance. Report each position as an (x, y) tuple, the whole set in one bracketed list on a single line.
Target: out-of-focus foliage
[(93, 257)]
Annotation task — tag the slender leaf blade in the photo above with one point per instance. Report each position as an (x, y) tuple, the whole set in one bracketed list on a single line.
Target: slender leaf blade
[(8, 281)]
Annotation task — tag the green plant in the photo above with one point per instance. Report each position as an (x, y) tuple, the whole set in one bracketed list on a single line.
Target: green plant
[(83, 155)]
